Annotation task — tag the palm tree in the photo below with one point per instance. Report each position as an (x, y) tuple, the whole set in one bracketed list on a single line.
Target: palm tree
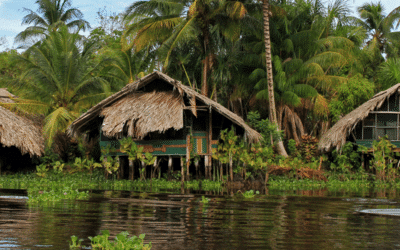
[(177, 22), (379, 26), (288, 93), (50, 15), (389, 73), (127, 65), (60, 80), (270, 80)]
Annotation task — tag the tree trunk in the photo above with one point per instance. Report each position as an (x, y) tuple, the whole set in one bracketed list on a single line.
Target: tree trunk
[(272, 109), (206, 62)]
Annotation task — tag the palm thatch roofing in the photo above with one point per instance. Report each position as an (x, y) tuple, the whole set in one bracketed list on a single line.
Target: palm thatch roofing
[(337, 135), (140, 113), (19, 131)]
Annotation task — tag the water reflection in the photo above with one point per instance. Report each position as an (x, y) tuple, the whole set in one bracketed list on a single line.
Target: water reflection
[(181, 221)]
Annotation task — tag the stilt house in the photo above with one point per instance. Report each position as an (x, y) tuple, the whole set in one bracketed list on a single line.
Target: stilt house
[(375, 118), (20, 137), (161, 115)]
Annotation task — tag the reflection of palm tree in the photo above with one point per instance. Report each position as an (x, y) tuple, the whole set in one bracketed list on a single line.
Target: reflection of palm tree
[(59, 81), (54, 14)]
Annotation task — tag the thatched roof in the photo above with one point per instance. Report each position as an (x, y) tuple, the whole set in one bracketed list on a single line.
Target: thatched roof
[(19, 131), (144, 112), (336, 136)]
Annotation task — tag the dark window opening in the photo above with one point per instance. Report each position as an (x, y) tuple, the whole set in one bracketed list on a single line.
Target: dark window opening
[(370, 120), (394, 103), (368, 133), (384, 106), (387, 120), (358, 131), (200, 123)]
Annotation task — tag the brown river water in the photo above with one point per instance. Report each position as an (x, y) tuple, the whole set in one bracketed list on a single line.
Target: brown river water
[(280, 220)]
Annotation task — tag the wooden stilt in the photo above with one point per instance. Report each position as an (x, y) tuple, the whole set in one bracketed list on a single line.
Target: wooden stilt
[(206, 167), (105, 171), (188, 146), (209, 145), (231, 168), (169, 167), (187, 169), (196, 164), (155, 166), (221, 170), (143, 171), (121, 167), (363, 161), (131, 170), (182, 170)]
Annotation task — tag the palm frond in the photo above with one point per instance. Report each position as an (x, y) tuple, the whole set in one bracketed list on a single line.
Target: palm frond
[(290, 98), (57, 121)]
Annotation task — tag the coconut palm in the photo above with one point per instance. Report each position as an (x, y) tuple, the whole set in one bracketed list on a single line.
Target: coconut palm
[(60, 80), (288, 93), (389, 73), (177, 22), (126, 66), (50, 15), (269, 73), (380, 27)]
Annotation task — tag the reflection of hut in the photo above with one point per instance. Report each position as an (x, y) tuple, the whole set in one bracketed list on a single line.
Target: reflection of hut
[(164, 116), (18, 135), (374, 119)]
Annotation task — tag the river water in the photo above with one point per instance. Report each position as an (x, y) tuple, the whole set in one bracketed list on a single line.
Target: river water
[(278, 220)]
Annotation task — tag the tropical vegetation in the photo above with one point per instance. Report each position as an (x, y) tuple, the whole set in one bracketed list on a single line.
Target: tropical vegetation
[(291, 69)]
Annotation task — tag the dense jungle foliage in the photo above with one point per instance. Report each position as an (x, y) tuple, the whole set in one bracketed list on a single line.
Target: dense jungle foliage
[(325, 63)]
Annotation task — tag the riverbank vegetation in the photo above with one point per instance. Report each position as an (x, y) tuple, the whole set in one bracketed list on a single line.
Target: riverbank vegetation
[(325, 64)]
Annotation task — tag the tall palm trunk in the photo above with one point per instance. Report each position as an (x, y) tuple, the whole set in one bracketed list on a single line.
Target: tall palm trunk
[(272, 108), (206, 62)]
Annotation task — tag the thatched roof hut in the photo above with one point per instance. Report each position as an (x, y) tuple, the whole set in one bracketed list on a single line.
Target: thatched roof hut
[(19, 131), (336, 137), (139, 113)]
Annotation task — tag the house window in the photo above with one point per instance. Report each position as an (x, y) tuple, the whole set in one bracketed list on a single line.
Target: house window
[(384, 121)]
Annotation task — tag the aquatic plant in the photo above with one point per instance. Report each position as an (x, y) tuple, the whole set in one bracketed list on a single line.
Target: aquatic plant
[(250, 194), (121, 241), (204, 199)]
